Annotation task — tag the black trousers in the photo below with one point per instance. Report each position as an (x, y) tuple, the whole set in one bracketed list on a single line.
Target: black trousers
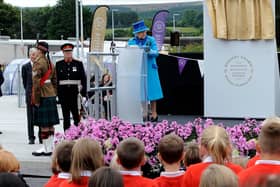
[(70, 106), (30, 121)]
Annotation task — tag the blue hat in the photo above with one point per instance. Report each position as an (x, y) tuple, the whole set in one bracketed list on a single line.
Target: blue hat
[(139, 26)]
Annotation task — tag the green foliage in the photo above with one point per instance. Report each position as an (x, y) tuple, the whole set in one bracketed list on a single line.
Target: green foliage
[(193, 47), (185, 31), (35, 21), (62, 24), (9, 20), (63, 20), (192, 18), (124, 32), (122, 19)]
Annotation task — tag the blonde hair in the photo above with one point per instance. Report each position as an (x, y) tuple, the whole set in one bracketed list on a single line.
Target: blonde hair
[(8, 162), (86, 155), (240, 160), (269, 137), (114, 164), (218, 176), (216, 141)]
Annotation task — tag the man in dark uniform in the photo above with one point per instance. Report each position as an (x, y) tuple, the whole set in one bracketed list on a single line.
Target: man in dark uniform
[(1, 82), (26, 73), (70, 77)]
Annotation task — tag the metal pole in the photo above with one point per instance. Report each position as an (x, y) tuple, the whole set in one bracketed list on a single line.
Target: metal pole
[(21, 26), (77, 27), (173, 22), (113, 33), (82, 30)]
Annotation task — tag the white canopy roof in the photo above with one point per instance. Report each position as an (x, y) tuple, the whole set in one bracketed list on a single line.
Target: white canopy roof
[(41, 3)]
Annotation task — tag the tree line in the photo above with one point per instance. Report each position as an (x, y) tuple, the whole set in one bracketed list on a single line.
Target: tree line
[(58, 22)]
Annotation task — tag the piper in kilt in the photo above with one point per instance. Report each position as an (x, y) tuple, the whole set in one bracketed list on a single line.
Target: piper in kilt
[(44, 98)]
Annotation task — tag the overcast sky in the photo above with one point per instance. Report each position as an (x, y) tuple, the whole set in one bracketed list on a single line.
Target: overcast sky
[(38, 3)]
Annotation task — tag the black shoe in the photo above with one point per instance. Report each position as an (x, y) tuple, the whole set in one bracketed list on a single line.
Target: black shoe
[(31, 141), (1, 132), (154, 119), (48, 154), (41, 153), (145, 118), (38, 154)]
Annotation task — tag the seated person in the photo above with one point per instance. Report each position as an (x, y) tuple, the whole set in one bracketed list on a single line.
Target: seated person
[(106, 177), (215, 148), (191, 154), (219, 176), (8, 179), (9, 163), (61, 163), (171, 153), (269, 162), (131, 156), (86, 157)]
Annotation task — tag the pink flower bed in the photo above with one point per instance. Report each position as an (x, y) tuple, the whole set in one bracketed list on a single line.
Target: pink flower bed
[(110, 133)]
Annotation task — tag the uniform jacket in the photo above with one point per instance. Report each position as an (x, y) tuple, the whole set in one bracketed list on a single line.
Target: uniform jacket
[(256, 173), (70, 71), (169, 181), (137, 181), (67, 183), (1, 81), (40, 67), (154, 87), (193, 174), (26, 74)]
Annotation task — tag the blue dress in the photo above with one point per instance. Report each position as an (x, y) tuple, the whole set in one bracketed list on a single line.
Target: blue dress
[(154, 87)]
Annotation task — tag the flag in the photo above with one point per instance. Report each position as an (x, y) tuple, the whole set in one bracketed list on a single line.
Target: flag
[(158, 27), (98, 29), (98, 34), (181, 64), (201, 67)]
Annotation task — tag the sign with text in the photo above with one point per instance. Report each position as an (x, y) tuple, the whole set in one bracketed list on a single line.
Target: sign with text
[(241, 77)]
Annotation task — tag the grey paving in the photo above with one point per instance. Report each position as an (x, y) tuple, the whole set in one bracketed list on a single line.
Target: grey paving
[(14, 139)]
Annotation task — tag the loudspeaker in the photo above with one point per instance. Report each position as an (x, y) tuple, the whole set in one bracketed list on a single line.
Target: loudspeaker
[(175, 38)]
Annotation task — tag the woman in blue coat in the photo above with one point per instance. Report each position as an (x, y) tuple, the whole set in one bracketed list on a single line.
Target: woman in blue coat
[(142, 40)]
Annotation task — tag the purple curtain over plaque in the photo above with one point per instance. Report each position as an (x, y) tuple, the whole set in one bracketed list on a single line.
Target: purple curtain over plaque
[(181, 64), (158, 27)]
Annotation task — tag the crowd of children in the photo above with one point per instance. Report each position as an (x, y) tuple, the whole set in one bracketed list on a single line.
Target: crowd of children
[(208, 163)]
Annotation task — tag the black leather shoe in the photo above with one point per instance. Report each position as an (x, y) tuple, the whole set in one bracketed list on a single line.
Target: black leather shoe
[(38, 154), (41, 153), (47, 154), (154, 119), (31, 141)]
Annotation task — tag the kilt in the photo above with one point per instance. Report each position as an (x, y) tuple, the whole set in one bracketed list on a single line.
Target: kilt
[(46, 114)]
